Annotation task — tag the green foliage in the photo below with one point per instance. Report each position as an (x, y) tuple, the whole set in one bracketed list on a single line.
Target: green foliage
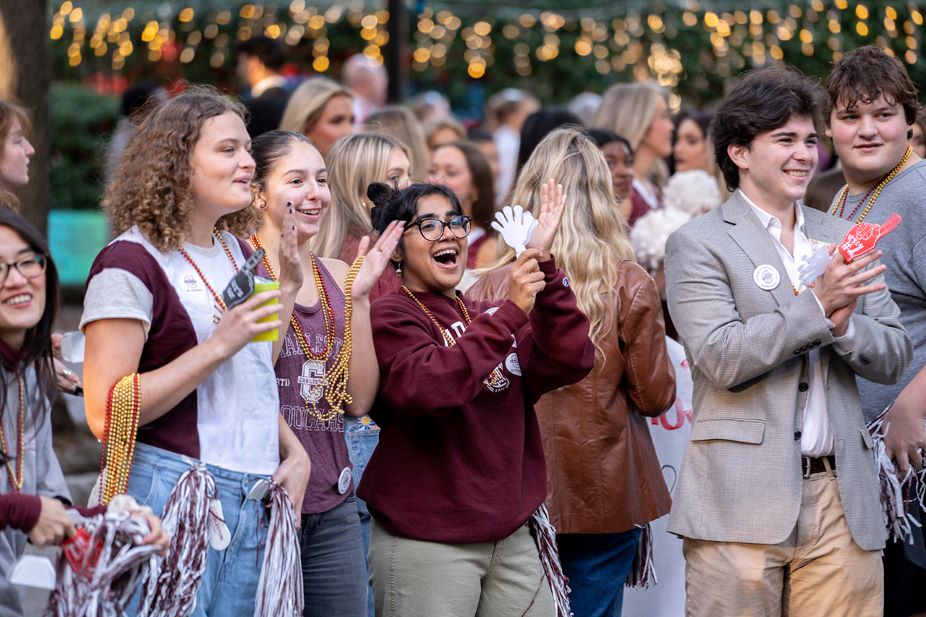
[(81, 123)]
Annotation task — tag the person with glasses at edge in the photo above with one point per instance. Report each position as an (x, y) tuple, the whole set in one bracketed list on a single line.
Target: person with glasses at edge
[(33, 494), (459, 470), (15, 154)]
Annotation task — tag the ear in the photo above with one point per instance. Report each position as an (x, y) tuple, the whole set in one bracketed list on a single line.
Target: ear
[(397, 255), (738, 153), (257, 198)]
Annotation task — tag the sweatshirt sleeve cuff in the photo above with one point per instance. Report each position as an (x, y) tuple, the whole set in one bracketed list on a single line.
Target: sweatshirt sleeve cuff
[(20, 511), (512, 316), (548, 267)]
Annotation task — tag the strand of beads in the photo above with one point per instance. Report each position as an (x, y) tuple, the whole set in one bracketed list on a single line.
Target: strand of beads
[(335, 381), (16, 477), (336, 393), (123, 408), (875, 193)]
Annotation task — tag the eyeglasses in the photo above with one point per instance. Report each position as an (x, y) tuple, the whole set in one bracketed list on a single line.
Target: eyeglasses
[(433, 229), (29, 267)]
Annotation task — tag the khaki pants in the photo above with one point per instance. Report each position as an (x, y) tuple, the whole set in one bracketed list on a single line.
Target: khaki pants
[(412, 578), (819, 571)]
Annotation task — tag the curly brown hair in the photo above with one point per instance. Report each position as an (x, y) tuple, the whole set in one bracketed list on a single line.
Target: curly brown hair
[(152, 188)]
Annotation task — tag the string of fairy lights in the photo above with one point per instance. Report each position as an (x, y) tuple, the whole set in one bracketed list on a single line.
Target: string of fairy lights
[(647, 43)]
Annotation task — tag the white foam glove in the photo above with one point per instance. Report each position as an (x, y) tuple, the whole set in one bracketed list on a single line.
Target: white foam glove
[(814, 265), (515, 226)]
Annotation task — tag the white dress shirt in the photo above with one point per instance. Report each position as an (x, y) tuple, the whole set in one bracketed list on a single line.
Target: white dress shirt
[(816, 433)]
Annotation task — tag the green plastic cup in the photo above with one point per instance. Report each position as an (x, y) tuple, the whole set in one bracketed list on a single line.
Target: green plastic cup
[(266, 285)]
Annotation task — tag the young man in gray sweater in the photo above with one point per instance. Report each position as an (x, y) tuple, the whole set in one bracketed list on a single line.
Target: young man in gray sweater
[(873, 107)]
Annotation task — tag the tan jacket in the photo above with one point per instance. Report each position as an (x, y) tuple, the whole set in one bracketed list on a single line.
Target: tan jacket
[(603, 475)]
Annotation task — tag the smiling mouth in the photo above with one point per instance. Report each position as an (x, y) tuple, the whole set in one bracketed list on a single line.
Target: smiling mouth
[(310, 212), (19, 299), (446, 258), (798, 173)]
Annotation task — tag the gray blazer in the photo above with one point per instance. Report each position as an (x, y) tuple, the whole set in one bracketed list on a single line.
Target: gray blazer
[(741, 477)]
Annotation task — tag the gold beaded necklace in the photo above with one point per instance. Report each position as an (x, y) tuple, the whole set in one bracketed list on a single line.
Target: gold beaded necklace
[(496, 380), (844, 195), (443, 330), (123, 408), (16, 477), (334, 381)]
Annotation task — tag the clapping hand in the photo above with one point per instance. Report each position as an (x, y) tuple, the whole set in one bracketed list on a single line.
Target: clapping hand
[(376, 258), (552, 205), (290, 273)]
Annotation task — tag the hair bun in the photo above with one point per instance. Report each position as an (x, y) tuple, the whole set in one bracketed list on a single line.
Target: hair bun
[(380, 193)]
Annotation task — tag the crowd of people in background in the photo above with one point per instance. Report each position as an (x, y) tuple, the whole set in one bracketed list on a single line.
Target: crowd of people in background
[(648, 375)]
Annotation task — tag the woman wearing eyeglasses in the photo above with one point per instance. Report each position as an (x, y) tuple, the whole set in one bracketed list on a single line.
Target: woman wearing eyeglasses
[(459, 470), (33, 493)]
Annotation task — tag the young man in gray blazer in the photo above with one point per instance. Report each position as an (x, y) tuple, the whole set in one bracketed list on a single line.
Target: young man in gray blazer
[(777, 499)]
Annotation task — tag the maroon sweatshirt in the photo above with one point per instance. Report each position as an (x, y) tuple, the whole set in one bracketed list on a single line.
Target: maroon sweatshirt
[(459, 458)]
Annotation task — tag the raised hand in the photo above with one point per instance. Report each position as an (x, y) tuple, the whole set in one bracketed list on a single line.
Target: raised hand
[(552, 205), (841, 283), (376, 258), (291, 273), (526, 280)]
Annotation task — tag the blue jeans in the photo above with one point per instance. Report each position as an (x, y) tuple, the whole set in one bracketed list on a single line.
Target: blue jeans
[(597, 565), (229, 584), (334, 570), (362, 435)]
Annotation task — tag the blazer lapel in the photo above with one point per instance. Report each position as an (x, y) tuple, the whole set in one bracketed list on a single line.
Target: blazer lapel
[(747, 231)]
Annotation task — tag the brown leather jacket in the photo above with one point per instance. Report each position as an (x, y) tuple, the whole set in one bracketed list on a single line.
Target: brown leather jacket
[(603, 475)]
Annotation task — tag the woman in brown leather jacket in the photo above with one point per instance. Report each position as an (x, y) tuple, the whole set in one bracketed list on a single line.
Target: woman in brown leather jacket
[(604, 482)]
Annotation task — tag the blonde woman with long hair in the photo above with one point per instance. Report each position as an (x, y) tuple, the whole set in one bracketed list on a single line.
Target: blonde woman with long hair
[(322, 110), (401, 123), (604, 481), (640, 112), (354, 163)]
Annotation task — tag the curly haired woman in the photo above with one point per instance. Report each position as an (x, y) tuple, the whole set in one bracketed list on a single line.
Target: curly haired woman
[(153, 307)]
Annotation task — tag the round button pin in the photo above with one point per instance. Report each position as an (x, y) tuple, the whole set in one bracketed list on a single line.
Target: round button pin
[(766, 277), (344, 480)]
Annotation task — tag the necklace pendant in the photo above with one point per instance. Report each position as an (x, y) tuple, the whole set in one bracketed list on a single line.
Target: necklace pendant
[(312, 381)]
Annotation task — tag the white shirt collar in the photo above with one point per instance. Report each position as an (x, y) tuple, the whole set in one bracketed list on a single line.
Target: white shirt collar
[(768, 220), (274, 81)]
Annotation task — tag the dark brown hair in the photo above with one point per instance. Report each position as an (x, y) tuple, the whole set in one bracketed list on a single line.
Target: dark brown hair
[(760, 102), (36, 347), (864, 74)]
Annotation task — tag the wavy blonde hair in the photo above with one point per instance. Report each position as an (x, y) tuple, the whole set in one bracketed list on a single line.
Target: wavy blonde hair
[(354, 162), (628, 110), (152, 188), (592, 239), (307, 102)]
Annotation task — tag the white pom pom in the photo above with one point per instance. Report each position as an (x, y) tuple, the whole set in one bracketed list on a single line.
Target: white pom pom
[(694, 192), (650, 232)]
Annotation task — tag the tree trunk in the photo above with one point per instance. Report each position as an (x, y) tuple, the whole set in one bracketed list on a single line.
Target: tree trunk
[(24, 79)]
